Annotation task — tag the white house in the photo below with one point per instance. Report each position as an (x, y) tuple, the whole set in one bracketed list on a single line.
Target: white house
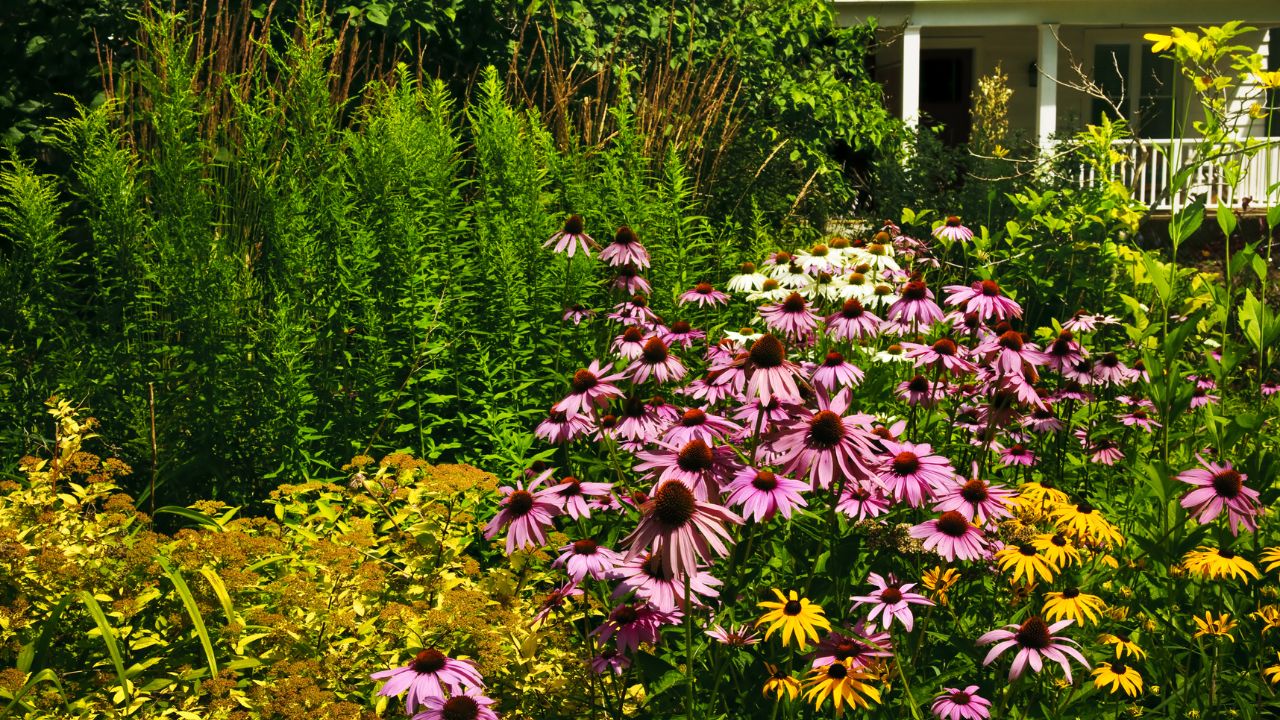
[(931, 53)]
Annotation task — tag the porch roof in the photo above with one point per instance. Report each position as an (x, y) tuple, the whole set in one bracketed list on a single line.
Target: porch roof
[(968, 13)]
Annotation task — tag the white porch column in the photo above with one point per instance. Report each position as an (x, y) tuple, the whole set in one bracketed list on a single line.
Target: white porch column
[(911, 75), (1047, 85)]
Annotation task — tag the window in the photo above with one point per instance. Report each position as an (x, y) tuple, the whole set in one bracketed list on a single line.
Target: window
[(1155, 101), (1111, 73), (1273, 95), (1139, 83)]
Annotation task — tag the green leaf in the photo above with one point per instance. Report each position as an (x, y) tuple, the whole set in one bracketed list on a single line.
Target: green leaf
[(193, 611), (193, 515), (109, 637), (1226, 220)]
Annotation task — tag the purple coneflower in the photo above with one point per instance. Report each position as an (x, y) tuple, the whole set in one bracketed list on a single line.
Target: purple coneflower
[(555, 600), (629, 281), (1017, 454), (561, 427), (761, 493), (639, 423), (625, 250), (526, 515), (734, 635), (630, 344), (682, 333), (632, 624), (704, 294), (576, 314), (1102, 451), (1138, 417), (966, 704), (913, 473), (589, 387), (943, 354), (645, 576), (951, 229), (915, 308), (696, 423), (1081, 321), (975, 499), (1218, 488), (1110, 371), (1036, 642), (426, 677), (951, 536), (890, 600), (836, 372), (919, 390), (635, 311), (1064, 353), (610, 660), (1269, 388), (1043, 420), (470, 705), (587, 558), (826, 445), (860, 647), (853, 322), (768, 371), (791, 317), (696, 463), (1009, 352), (763, 417), (861, 502), (572, 494), (1201, 397), (657, 361), (572, 237), (680, 529), (985, 299)]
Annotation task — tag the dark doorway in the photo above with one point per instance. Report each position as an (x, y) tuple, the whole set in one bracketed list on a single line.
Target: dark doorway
[(946, 82)]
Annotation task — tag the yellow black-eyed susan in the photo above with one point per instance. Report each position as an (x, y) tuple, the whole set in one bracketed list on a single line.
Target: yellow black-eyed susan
[(1115, 676), (796, 616), (1071, 603), (1212, 563), (843, 683)]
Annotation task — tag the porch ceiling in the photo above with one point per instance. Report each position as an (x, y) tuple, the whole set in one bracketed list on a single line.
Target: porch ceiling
[(961, 13)]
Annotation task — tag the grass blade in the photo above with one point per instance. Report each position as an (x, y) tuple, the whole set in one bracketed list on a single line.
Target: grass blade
[(108, 636), (193, 611)]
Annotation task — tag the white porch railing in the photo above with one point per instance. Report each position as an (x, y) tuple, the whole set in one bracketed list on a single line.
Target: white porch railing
[(1149, 165)]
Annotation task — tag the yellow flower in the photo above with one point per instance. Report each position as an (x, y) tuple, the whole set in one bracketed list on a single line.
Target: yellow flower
[(780, 683), (1220, 626), (1034, 493), (938, 581), (1269, 615), (1123, 643), (1213, 563), (1057, 549), (1160, 43), (1084, 521), (1268, 80), (845, 684), (1071, 603), (796, 616), (1119, 676), (1270, 556), (1272, 674), (1026, 562)]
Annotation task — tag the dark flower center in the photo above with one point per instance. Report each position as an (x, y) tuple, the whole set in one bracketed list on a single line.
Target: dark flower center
[(837, 671), (640, 301), (693, 417), (860, 494), (628, 271), (1027, 550), (826, 430), (848, 649), (768, 352), (695, 456), (703, 288), (881, 237), (975, 491), (953, 221), (894, 349), (769, 285), (914, 290), (765, 480), (833, 359), (1017, 450), (1109, 360), (945, 346), (654, 351), (652, 566), (840, 243), (818, 250), (882, 290), (918, 384), (428, 661), (792, 607), (1061, 348), (793, 304), (852, 309), (1034, 634), (632, 335), (625, 236), (519, 503), (906, 463), (570, 486), (1141, 414), (782, 258), (890, 595), (1071, 593), (624, 615), (1118, 668), (1227, 483), (460, 707), (1011, 340), (856, 278), (959, 697), (953, 524), (673, 504), (585, 547), (990, 288), (1226, 555), (876, 249), (680, 327), (1059, 539), (574, 225), (608, 422), (583, 380), (1084, 508), (747, 268)]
